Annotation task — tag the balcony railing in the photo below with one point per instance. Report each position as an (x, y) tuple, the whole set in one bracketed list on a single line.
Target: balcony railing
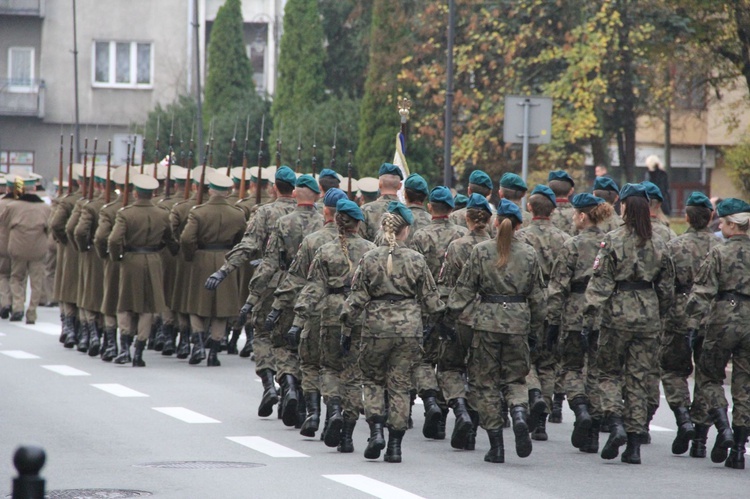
[(22, 7), (22, 98)]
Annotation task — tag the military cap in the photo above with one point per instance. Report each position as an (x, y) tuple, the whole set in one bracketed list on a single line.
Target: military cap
[(478, 202), (560, 175), (77, 170), (219, 182), (390, 169), (161, 171), (507, 208), (118, 176), (285, 174), (26, 180), (305, 181), (345, 184), (254, 171), (145, 183), (585, 200), (441, 194), (36, 177), (630, 190), (349, 208), (197, 172), (237, 174), (478, 177), (179, 173), (269, 172), (699, 199), (100, 174), (460, 201), (653, 190), (327, 172), (546, 192), (513, 181), (370, 185), (417, 183), (732, 206), (605, 184), (333, 196), (399, 209)]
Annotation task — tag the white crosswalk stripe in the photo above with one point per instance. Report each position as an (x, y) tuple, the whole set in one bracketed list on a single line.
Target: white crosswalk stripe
[(654, 427), (373, 487), (66, 370), (19, 354), (186, 415), (43, 327), (267, 447), (118, 390)]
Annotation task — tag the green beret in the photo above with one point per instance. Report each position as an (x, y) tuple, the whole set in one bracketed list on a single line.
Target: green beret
[(399, 209), (513, 181), (333, 196), (460, 201), (350, 208), (417, 183), (390, 169), (327, 172), (636, 190), (286, 174), (653, 190), (547, 192), (441, 194), (560, 175), (605, 184), (732, 206), (699, 199), (478, 177), (585, 200), (478, 202), (305, 181), (507, 208)]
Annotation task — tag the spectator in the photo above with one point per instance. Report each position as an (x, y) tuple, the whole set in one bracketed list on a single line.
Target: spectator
[(655, 173)]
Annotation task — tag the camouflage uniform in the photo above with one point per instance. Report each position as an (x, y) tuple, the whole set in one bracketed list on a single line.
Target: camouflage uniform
[(373, 212), (510, 307), (632, 289), (612, 223), (562, 217), (392, 327)]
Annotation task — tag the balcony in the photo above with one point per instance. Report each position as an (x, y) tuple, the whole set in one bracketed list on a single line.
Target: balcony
[(22, 8), (22, 100)]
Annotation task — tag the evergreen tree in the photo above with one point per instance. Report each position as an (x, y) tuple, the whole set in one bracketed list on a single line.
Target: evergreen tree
[(346, 24), (230, 75)]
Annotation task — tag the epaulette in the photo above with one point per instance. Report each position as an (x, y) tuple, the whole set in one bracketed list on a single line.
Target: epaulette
[(125, 207)]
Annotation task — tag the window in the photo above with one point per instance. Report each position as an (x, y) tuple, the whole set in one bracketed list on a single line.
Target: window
[(21, 69), (123, 64)]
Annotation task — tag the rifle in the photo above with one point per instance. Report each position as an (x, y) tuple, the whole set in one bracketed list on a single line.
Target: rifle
[(107, 194), (167, 187), (70, 166), (231, 149), (349, 169), (314, 156), (333, 148), (126, 189), (132, 158), (143, 151), (260, 161), (85, 164), (243, 179), (203, 172), (186, 194), (60, 168), (93, 166), (210, 147), (278, 147), (299, 153), (156, 151)]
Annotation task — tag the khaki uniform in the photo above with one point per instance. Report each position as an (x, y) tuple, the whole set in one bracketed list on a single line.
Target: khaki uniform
[(66, 276), (5, 295), (91, 290), (178, 216), (111, 270), (169, 262)]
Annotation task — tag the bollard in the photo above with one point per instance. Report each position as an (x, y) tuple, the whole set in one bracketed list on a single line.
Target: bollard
[(28, 460)]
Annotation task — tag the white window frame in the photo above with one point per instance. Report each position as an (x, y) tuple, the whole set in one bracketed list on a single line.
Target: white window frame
[(112, 83), (21, 88)]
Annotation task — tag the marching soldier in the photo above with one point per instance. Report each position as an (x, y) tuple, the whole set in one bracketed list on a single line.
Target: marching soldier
[(513, 188), (389, 183), (606, 189), (479, 183), (5, 295), (656, 199), (563, 187), (368, 190), (416, 193), (327, 179)]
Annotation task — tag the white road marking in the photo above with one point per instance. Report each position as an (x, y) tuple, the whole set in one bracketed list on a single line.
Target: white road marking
[(185, 415), (19, 354), (2, 334), (267, 447), (118, 390), (43, 327), (653, 427), (66, 370), (372, 487)]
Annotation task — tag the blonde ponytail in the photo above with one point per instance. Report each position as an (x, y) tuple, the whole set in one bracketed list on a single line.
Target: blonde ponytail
[(345, 224), (392, 224), (503, 240)]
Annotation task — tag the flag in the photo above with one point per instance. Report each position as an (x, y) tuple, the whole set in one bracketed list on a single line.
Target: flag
[(399, 159)]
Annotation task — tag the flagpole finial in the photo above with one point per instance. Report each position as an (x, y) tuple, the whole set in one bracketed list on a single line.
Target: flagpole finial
[(404, 105)]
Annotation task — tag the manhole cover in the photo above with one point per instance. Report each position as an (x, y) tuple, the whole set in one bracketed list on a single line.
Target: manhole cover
[(95, 494), (199, 465)]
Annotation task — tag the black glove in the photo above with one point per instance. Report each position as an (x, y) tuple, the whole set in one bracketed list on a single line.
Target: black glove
[(272, 319), (446, 332), (532, 343), (246, 309), (292, 336), (427, 332), (346, 344), (586, 332), (553, 335), (215, 279), (691, 337)]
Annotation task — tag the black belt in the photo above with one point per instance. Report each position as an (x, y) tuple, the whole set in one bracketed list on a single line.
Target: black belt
[(732, 296), (339, 291), (503, 299), (683, 289), (391, 297), (215, 247), (634, 285), (143, 249)]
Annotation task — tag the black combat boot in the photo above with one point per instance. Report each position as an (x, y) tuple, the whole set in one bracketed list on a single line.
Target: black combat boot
[(213, 355), (94, 343), (183, 348), (393, 451), (736, 458), (83, 341), (312, 422), (161, 337), (521, 430), (685, 431), (632, 452), (169, 348), (557, 403), (376, 442), (5, 312), (347, 443), (617, 438), (63, 331), (232, 345), (270, 395), (124, 357), (471, 441), (724, 437), (110, 338), (151, 344), (440, 435), (138, 354), (412, 398), (462, 428), (496, 454), (540, 432), (537, 407), (432, 414), (104, 343), (199, 350), (332, 434), (582, 426), (70, 334), (301, 408), (289, 402), (16, 317), (698, 447), (592, 439), (248, 348), (506, 413)]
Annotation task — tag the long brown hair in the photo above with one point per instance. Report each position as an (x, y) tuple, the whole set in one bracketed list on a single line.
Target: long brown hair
[(599, 213), (504, 238), (478, 217), (637, 218)]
